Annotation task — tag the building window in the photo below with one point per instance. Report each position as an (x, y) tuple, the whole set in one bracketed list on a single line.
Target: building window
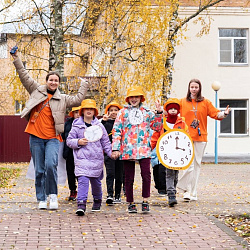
[(233, 46), (237, 121), (3, 50), (68, 49), (18, 107)]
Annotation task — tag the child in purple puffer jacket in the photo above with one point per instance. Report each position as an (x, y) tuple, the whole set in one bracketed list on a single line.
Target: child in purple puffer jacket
[(89, 139)]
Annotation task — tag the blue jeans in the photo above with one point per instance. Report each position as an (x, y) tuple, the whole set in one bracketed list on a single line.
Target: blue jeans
[(45, 157)]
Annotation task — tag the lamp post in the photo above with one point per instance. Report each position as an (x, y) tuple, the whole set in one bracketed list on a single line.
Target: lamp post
[(216, 86)]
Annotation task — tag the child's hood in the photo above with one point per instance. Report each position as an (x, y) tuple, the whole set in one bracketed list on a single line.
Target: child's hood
[(81, 124), (141, 107)]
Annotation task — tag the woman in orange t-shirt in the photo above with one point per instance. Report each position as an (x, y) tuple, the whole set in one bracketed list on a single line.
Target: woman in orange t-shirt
[(195, 109), (45, 111)]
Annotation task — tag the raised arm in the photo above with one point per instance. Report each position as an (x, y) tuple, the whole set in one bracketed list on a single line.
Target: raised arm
[(28, 82), (76, 100)]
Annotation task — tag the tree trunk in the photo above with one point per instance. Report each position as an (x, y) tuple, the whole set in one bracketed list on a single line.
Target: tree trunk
[(56, 56), (111, 62), (172, 34)]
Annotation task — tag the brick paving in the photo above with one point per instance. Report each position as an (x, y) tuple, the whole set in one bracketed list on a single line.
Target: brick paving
[(223, 189)]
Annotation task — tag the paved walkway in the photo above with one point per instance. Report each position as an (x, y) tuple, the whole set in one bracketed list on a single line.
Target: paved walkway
[(223, 189)]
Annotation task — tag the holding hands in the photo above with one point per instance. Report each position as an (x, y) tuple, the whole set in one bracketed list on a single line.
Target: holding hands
[(115, 155)]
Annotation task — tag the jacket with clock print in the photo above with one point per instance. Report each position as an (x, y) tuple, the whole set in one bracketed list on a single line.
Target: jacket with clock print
[(133, 141)]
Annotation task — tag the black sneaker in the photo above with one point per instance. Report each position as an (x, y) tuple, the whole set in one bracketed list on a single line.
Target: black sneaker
[(161, 194), (96, 205), (109, 200), (172, 201), (80, 212), (117, 201), (145, 207), (132, 208)]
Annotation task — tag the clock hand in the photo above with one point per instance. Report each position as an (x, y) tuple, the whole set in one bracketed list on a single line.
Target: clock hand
[(176, 140), (183, 149)]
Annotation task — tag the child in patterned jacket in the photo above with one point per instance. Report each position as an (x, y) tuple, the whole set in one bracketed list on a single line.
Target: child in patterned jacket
[(131, 141)]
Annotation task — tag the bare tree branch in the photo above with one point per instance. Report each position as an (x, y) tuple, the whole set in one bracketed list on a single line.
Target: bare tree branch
[(8, 6)]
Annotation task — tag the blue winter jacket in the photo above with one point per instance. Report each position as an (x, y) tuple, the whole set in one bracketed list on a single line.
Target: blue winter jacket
[(89, 159)]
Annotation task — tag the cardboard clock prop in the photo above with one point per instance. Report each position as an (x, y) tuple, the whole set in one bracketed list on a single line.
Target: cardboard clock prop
[(175, 149), (93, 133), (135, 116)]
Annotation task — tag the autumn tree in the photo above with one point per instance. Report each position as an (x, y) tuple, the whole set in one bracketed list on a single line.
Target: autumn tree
[(136, 41), (176, 24), (126, 42), (123, 42), (54, 22)]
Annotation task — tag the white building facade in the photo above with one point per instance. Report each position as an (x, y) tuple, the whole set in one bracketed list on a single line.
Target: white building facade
[(222, 55)]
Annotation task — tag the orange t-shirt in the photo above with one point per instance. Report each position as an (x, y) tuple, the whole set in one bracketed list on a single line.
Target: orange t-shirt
[(200, 110), (44, 126)]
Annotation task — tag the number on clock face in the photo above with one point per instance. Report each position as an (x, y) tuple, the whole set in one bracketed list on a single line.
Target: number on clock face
[(175, 149)]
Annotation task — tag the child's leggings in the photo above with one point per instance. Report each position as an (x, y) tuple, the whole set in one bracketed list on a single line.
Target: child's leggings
[(129, 169)]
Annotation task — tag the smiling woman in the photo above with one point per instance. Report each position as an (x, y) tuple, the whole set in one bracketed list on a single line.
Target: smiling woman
[(45, 112), (53, 80), (195, 109)]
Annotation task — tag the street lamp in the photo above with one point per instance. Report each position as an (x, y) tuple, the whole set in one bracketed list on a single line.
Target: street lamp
[(216, 86)]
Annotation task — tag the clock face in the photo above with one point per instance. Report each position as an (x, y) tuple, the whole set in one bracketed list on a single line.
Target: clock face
[(175, 149), (93, 133), (135, 116)]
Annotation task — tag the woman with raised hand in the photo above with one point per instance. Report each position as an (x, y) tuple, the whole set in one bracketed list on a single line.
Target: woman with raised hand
[(45, 111), (195, 109)]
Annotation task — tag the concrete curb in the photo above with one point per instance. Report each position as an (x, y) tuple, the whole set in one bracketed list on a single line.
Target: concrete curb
[(227, 158), (229, 232)]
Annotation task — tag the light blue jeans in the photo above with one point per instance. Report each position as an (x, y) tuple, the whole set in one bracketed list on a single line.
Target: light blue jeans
[(45, 158)]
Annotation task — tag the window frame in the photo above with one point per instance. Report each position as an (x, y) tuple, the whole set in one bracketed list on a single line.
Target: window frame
[(233, 109), (18, 111), (232, 39), (68, 49), (4, 50)]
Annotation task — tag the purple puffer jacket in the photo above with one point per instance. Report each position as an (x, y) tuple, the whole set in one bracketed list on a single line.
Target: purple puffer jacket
[(89, 159)]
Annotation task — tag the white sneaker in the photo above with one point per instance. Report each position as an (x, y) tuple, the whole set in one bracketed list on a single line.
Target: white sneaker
[(53, 202), (186, 196), (42, 204), (193, 198)]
